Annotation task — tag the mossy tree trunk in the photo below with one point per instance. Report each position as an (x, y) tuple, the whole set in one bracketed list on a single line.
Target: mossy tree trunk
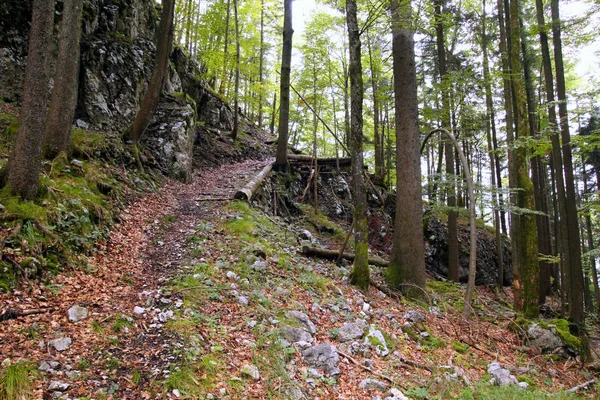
[(163, 49), (360, 272), (524, 232), (25, 161), (57, 132), (281, 161), (407, 266)]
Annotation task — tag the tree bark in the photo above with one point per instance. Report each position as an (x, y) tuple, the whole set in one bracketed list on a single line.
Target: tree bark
[(576, 312), (57, 129), (261, 62), (281, 162), (360, 272), (407, 266), (379, 171), (524, 233), (225, 51), (163, 49), (247, 192), (236, 95), (25, 161)]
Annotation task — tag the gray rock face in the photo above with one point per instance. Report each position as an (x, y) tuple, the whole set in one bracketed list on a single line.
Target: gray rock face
[(501, 376), (60, 344), (350, 331), (170, 137), (77, 313), (543, 339), (372, 384), (303, 320), (323, 356), (294, 335)]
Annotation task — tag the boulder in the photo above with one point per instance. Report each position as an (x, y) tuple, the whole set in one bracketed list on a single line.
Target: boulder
[(323, 356), (294, 335), (543, 339), (350, 331), (77, 313), (303, 320), (501, 376)]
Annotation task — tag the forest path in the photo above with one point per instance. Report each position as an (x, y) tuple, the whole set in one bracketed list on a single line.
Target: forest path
[(122, 347)]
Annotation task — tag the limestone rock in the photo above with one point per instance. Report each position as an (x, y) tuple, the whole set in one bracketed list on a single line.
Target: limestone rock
[(543, 339), (350, 331), (251, 371), (372, 384), (60, 344), (323, 356), (294, 335), (414, 316), (58, 386), (501, 376), (303, 320), (77, 313), (376, 339)]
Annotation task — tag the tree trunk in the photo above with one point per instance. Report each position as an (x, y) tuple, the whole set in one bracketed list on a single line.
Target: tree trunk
[(360, 272), (576, 312), (281, 162), (163, 49), (524, 234), (490, 123), (25, 161), (261, 62), (236, 95), (407, 266), (225, 51), (376, 134), (453, 267), (57, 129)]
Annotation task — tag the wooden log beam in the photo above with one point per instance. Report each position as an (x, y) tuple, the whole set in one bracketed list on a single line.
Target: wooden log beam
[(334, 254), (247, 192), (303, 158)]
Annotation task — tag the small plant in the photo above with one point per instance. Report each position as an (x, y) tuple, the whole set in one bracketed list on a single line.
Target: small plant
[(120, 324), (333, 333), (136, 377), (460, 347), (16, 380), (113, 363)]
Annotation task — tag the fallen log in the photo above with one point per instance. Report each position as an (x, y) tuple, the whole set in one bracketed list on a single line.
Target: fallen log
[(12, 314), (251, 187), (334, 254), (303, 158)]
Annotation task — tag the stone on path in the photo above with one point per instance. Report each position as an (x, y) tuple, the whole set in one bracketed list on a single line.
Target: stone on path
[(372, 384), (58, 386), (77, 313), (303, 320), (60, 344)]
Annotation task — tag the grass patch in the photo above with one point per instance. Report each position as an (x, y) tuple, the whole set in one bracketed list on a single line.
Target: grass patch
[(120, 324), (16, 380)]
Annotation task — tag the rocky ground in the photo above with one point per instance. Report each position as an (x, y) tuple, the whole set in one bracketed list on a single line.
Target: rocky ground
[(196, 296)]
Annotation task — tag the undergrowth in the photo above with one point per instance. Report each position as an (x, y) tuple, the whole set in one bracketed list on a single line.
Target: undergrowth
[(16, 380)]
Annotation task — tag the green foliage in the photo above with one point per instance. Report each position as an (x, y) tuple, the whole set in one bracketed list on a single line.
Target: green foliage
[(16, 380), (460, 347)]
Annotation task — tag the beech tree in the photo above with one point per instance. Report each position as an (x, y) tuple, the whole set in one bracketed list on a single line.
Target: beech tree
[(360, 272), (407, 265), (163, 50), (57, 133), (25, 160), (281, 161)]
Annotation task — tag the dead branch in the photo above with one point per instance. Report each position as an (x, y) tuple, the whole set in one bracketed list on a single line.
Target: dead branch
[(583, 385), (12, 314), (334, 254), (375, 373)]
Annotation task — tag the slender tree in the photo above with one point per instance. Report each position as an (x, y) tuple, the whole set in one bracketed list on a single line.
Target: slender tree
[(360, 272), (57, 130), (25, 160), (281, 162), (407, 265), (163, 49), (236, 95)]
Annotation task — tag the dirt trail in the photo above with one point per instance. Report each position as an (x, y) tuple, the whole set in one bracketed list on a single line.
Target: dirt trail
[(116, 352)]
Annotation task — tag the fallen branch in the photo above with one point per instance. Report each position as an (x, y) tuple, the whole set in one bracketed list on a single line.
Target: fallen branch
[(10, 314), (583, 385), (385, 290), (251, 187), (214, 199), (334, 254), (303, 158), (375, 373)]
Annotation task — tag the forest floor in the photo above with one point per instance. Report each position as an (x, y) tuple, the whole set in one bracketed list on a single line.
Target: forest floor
[(198, 296)]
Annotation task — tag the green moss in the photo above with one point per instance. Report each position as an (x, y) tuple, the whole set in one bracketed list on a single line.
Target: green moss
[(15, 208), (563, 331), (460, 347)]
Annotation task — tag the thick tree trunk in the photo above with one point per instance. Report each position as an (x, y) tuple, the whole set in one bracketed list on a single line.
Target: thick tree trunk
[(25, 161), (407, 266), (360, 272), (57, 129), (281, 162), (524, 235), (163, 49), (576, 312)]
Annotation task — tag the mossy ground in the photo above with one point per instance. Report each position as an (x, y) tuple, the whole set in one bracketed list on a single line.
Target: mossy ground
[(76, 207)]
